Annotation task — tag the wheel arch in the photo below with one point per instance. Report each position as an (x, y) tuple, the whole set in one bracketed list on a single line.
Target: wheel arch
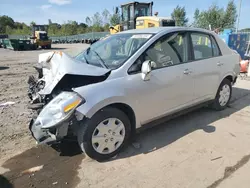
[(230, 76), (128, 111), (120, 103)]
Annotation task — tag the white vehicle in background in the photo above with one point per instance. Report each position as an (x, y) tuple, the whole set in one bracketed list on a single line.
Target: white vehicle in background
[(127, 81)]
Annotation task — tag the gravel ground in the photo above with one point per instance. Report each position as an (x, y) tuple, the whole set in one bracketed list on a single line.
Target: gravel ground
[(201, 149), (15, 67)]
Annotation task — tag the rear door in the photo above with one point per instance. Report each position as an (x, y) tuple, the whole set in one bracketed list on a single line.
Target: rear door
[(206, 65)]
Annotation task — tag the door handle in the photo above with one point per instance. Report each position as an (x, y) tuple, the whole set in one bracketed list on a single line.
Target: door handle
[(219, 64), (186, 71)]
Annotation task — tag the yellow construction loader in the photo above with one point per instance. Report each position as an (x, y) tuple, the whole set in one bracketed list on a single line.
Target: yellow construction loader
[(40, 36), (137, 15)]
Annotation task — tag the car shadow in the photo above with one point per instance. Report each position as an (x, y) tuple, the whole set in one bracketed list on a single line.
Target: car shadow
[(67, 147), (4, 67), (4, 182), (166, 133)]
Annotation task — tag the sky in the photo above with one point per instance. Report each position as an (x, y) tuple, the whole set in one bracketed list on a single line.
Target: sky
[(61, 11)]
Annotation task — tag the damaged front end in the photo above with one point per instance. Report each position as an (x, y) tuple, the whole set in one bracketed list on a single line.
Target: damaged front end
[(53, 100), (53, 121)]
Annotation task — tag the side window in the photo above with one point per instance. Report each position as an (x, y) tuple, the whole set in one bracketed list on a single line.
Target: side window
[(167, 51), (202, 46), (215, 47)]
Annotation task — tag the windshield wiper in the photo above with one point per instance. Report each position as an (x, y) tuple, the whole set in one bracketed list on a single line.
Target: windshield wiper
[(102, 62)]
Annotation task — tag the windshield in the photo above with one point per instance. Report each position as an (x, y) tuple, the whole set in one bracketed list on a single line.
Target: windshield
[(142, 11), (43, 36), (125, 16), (113, 51)]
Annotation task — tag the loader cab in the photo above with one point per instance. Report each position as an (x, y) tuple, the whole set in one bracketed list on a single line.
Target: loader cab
[(130, 11), (40, 32), (137, 15), (40, 37)]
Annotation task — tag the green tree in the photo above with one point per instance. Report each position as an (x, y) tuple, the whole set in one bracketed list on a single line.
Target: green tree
[(213, 16), (8, 30), (196, 18), (97, 20), (83, 25), (106, 17), (53, 29), (179, 15), (217, 17), (6, 21), (115, 17), (88, 21), (230, 16), (32, 23)]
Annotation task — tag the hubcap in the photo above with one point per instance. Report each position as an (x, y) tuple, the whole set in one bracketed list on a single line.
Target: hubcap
[(224, 95), (108, 136)]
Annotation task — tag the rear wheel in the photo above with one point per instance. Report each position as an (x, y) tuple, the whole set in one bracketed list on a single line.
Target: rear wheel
[(105, 134), (223, 95), (48, 46)]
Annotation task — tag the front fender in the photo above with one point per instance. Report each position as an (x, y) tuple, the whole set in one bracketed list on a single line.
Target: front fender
[(91, 107), (102, 94)]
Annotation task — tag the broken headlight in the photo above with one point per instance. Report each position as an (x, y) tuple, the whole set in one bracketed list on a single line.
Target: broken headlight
[(59, 109)]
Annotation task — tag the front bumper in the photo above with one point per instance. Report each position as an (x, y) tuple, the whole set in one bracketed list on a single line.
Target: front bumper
[(50, 135)]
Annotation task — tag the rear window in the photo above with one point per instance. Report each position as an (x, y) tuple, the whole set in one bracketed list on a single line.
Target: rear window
[(204, 46), (216, 50)]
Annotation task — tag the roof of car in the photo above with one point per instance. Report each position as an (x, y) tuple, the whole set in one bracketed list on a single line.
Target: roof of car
[(155, 30)]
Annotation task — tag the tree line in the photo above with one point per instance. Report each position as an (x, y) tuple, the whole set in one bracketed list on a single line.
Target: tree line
[(214, 17), (99, 22)]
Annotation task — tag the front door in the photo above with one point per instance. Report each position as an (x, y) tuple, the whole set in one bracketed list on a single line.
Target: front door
[(171, 85)]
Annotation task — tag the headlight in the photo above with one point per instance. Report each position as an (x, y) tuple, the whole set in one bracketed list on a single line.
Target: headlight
[(59, 109)]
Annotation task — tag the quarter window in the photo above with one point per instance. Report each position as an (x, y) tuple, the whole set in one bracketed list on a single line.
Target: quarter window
[(202, 46)]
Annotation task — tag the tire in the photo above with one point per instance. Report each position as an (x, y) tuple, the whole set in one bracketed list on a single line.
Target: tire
[(48, 46), (89, 128), (217, 104)]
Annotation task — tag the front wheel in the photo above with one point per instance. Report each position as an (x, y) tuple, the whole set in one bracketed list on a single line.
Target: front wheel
[(223, 95), (105, 134)]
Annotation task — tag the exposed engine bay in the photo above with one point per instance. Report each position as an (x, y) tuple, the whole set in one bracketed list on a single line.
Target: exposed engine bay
[(53, 77)]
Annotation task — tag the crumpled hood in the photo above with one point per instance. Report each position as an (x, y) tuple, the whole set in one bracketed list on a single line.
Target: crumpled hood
[(57, 64)]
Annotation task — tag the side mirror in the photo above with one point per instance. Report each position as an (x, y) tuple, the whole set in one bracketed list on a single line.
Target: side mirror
[(146, 70)]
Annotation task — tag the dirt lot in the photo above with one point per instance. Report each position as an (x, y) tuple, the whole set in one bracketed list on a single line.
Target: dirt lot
[(201, 149)]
